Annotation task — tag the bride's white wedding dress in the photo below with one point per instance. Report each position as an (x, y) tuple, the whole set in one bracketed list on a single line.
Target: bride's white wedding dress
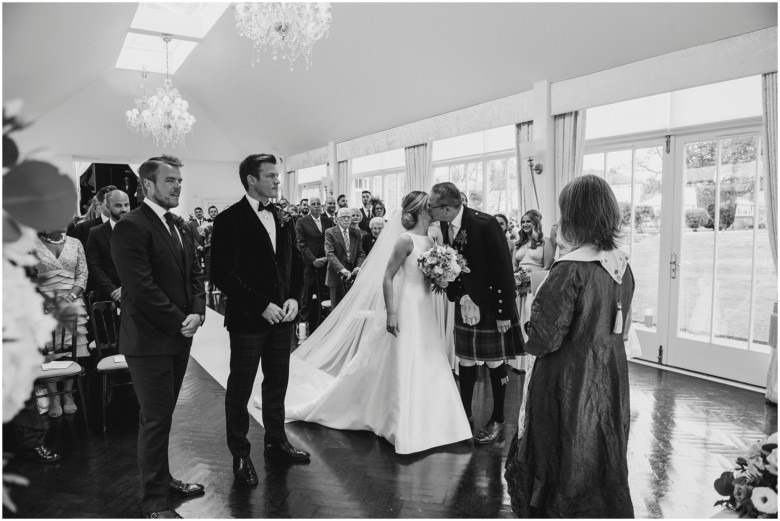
[(401, 388)]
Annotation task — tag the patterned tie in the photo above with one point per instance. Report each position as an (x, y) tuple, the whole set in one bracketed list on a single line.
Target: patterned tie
[(171, 228), (451, 233), (346, 239)]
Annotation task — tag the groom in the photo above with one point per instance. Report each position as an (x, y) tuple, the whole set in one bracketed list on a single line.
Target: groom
[(486, 324), (255, 262)]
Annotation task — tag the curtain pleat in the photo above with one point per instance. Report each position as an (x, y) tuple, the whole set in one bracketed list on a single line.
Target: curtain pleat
[(524, 133), (769, 83), (569, 148), (418, 167)]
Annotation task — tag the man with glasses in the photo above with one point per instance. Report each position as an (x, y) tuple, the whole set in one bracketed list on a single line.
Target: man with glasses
[(486, 324)]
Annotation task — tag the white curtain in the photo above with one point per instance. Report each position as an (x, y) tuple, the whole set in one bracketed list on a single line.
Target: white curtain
[(569, 145), (291, 187), (529, 199), (343, 175), (419, 173), (770, 193)]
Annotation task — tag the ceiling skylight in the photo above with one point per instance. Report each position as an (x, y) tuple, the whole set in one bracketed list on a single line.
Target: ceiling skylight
[(144, 47), (148, 51), (194, 20)]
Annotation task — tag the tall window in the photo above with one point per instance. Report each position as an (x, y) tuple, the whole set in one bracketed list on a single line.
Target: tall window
[(484, 166), (310, 182), (383, 174)]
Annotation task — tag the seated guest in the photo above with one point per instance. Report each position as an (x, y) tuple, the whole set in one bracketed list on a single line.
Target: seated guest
[(310, 238), (81, 230), (341, 201), (345, 255), (101, 266), (378, 209), (330, 208), (369, 239), (62, 277)]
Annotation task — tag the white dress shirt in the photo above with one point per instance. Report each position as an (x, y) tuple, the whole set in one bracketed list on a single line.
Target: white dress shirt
[(318, 223), (266, 219), (160, 211), (455, 225)]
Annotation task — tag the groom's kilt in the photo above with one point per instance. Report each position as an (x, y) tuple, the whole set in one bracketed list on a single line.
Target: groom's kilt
[(483, 341)]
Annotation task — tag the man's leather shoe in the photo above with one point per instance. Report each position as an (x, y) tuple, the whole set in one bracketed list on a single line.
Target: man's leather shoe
[(284, 453), (45, 455), (490, 433), (163, 514), (180, 489), (244, 471)]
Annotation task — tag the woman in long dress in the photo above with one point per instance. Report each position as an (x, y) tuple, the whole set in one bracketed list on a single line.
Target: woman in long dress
[(569, 459), (367, 368), (62, 276)]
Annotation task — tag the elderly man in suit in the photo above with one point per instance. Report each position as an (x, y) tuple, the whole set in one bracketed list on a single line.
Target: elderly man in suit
[(101, 266), (310, 234), (345, 255), (255, 262), (163, 305)]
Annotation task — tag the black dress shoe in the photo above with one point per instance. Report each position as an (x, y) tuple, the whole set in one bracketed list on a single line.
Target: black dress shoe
[(490, 433), (163, 514), (45, 455), (244, 471), (180, 489), (284, 453)]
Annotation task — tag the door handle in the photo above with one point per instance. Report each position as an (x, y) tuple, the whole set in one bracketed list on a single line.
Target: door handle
[(673, 266)]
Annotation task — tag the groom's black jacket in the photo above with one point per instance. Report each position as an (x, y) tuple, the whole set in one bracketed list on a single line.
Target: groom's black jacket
[(491, 283)]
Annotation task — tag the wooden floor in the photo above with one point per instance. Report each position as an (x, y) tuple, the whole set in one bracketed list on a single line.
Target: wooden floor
[(685, 431)]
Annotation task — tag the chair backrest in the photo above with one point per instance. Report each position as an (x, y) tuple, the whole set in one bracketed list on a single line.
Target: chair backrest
[(64, 337), (105, 322)]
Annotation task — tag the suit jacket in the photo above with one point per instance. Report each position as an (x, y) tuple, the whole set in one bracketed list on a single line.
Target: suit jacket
[(311, 241), (246, 269), (82, 229), (102, 271), (367, 242), (365, 219), (338, 256), (490, 284), (160, 285), (199, 239)]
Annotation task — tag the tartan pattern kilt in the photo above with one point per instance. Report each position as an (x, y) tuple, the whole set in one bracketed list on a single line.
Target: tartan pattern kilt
[(483, 342)]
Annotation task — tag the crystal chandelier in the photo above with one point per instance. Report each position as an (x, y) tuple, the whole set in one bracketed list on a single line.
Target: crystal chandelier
[(289, 29), (164, 115)]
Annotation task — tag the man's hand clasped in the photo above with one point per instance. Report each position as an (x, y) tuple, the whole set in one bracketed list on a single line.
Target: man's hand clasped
[(190, 325), (275, 314)]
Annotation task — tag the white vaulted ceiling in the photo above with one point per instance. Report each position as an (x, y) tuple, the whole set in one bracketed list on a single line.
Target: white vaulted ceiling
[(383, 65)]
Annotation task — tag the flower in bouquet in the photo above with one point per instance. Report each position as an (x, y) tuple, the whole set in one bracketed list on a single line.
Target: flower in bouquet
[(751, 487), (441, 265), (522, 281)]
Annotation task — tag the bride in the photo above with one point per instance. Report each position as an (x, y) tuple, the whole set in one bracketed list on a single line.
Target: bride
[(367, 368)]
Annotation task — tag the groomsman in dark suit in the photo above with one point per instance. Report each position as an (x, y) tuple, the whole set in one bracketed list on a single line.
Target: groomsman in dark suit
[(345, 255), (255, 262), (99, 262), (365, 211), (310, 234), (163, 305)]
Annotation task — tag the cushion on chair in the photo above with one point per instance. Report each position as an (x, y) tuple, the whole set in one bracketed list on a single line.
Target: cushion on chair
[(72, 370), (325, 304), (112, 363)]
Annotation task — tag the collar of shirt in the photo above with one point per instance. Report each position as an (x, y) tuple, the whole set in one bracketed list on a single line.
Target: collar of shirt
[(113, 223), (104, 218), (254, 203), (344, 230), (159, 210), (456, 222)]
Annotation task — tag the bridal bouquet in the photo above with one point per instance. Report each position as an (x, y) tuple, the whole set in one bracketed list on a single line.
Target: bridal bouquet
[(751, 487), (522, 281), (441, 265)]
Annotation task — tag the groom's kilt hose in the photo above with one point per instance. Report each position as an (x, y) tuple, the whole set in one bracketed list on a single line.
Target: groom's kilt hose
[(483, 341)]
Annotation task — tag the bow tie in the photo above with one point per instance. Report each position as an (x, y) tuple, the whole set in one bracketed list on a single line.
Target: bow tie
[(270, 207)]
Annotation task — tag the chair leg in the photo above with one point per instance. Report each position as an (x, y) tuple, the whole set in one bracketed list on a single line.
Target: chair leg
[(105, 399), (83, 403)]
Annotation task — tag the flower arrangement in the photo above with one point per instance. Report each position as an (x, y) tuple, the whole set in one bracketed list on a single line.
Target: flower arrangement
[(751, 487), (441, 265), (522, 281)]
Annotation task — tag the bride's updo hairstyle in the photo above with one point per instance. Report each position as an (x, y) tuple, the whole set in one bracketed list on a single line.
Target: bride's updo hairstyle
[(412, 205)]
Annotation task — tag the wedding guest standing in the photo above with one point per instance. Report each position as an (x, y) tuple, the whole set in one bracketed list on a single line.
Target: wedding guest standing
[(257, 266), (376, 225), (532, 252), (366, 211), (378, 209), (213, 212), (345, 255), (486, 326), (569, 459), (504, 222), (81, 230), (330, 208), (341, 201), (101, 265), (163, 305), (310, 236)]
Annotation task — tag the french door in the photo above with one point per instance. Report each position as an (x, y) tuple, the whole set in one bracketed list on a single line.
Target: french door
[(723, 281), (693, 223)]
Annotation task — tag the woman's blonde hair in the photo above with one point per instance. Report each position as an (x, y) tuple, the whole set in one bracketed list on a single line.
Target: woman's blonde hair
[(412, 205)]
